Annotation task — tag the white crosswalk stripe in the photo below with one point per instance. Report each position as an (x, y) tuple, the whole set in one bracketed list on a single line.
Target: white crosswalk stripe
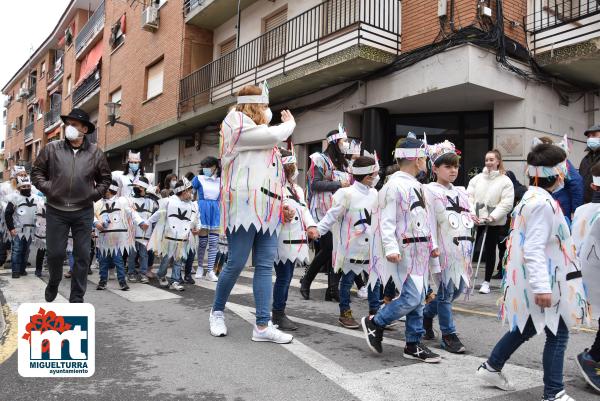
[(138, 293)]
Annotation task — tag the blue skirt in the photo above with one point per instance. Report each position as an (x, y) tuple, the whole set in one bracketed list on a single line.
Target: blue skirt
[(210, 215)]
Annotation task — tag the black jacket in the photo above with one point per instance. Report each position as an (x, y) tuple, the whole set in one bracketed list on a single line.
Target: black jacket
[(585, 170), (69, 179)]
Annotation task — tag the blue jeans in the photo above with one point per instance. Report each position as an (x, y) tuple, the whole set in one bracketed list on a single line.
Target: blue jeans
[(141, 250), (107, 260), (18, 259), (283, 277), (409, 304), (442, 305), (189, 263), (553, 358), (346, 285), (264, 251), (70, 260), (175, 272)]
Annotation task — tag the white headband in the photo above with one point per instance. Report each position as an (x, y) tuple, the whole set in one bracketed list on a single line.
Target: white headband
[(596, 181), (263, 98), (186, 185), (368, 170), (409, 153), (340, 135), (545, 172), (113, 188), (140, 183), (288, 159)]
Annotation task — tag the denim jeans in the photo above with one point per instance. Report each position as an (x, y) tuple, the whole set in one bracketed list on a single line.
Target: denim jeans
[(108, 260), (141, 251), (442, 305), (346, 285), (264, 249), (4, 247), (553, 358), (189, 263), (18, 259), (283, 277), (409, 304), (70, 261), (175, 272)]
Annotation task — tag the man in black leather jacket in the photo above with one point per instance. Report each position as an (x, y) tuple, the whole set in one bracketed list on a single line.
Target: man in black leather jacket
[(73, 173)]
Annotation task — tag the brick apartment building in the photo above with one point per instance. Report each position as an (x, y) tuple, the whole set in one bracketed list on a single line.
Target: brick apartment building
[(382, 67)]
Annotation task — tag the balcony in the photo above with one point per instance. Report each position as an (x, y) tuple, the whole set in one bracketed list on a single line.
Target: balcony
[(331, 42), (563, 38), (54, 76), (211, 13), (91, 31), (28, 134), (52, 117), (87, 90)]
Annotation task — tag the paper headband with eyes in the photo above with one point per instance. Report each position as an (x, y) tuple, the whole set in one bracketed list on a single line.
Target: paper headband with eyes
[(186, 185), (340, 135), (263, 98), (368, 170), (412, 153), (544, 171)]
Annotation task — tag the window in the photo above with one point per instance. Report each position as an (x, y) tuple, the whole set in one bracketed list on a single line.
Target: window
[(275, 39), (69, 85), (115, 97), (43, 69), (227, 60), (19, 123), (117, 33), (40, 109), (154, 79), (228, 46)]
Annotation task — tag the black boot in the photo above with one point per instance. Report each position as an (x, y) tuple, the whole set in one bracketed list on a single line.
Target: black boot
[(282, 321), (333, 289), (428, 326), (305, 288)]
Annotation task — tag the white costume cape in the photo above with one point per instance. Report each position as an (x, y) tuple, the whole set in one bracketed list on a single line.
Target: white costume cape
[(293, 242), (586, 238), (119, 235), (24, 214), (349, 220), (541, 259), (253, 179), (125, 182)]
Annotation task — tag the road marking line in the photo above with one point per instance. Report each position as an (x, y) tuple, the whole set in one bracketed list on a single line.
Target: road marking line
[(138, 292), (316, 285)]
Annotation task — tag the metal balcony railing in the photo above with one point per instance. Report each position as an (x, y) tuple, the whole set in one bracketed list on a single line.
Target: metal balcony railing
[(190, 5), (556, 23), (28, 134), (53, 116), (323, 30), (90, 29), (54, 75), (87, 87)]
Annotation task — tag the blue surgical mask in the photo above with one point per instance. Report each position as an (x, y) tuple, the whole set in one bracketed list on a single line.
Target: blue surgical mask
[(207, 171), (134, 167), (593, 143)]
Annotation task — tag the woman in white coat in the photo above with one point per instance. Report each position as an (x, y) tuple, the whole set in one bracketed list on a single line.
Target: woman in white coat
[(252, 207), (491, 194)]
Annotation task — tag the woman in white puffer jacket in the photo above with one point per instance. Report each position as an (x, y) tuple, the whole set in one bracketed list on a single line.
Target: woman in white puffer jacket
[(491, 194)]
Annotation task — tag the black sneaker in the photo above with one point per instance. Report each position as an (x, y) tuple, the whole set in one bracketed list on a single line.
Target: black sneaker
[(420, 352), (16, 275), (133, 278), (123, 285), (451, 343), (373, 334), (101, 285), (23, 273), (428, 326), (189, 280), (50, 293), (38, 273)]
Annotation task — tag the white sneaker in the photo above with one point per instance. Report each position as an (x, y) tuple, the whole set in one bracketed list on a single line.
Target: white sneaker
[(176, 286), (272, 335), (163, 282), (199, 274), (217, 324), (363, 292), (562, 396), (485, 288), (496, 379), (211, 276)]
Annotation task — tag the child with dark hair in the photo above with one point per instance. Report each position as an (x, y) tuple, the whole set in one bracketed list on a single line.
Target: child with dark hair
[(586, 237), (349, 220), (542, 286)]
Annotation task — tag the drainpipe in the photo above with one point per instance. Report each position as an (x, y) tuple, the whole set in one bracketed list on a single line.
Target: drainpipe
[(239, 16)]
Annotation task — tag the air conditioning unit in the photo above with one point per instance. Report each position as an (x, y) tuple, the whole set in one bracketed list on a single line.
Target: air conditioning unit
[(23, 92), (6, 102), (150, 19), (13, 126)]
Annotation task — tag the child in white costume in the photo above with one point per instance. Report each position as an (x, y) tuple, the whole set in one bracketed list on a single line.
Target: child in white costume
[(543, 289), (133, 170), (401, 251), (349, 219), (175, 234), (293, 241), (586, 238)]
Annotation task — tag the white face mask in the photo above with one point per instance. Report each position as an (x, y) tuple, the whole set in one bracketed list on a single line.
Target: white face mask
[(375, 181), (71, 133), (344, 146), (268, 115)]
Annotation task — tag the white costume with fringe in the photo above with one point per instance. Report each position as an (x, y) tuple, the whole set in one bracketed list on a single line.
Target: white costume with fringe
[(39, 240), (172, 236), (120, 218), (453, 232), (349, 220), (145, 207), (252, 180), (401, 225), (23, 216), (542, 259), (293, 242), (586, 238), (320, 202)]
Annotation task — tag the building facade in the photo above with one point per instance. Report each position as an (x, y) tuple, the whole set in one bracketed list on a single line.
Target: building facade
[(383, 68)]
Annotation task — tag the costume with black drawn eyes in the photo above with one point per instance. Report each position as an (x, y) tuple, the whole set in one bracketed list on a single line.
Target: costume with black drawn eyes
[(172, 236), (40, 225), (119, 219), (454, 238), (586, 238), (145, 207), (542, 259), (24, 214), (293, 241), (401, 226), (320, 202)]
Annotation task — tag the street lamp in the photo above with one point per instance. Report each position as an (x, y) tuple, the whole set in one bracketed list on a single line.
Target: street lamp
[(112, 109)]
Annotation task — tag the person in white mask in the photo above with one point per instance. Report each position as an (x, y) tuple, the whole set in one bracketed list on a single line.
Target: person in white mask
[(592, 157)]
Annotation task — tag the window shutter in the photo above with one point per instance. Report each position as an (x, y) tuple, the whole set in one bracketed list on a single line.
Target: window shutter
[(274, 41), (228, 47), (275, 20), (155, 80)]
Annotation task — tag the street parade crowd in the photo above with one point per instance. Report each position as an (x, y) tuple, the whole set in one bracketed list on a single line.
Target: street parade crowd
[(408, 242)]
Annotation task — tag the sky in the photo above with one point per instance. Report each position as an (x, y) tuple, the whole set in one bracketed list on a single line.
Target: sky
[(24, 25)]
